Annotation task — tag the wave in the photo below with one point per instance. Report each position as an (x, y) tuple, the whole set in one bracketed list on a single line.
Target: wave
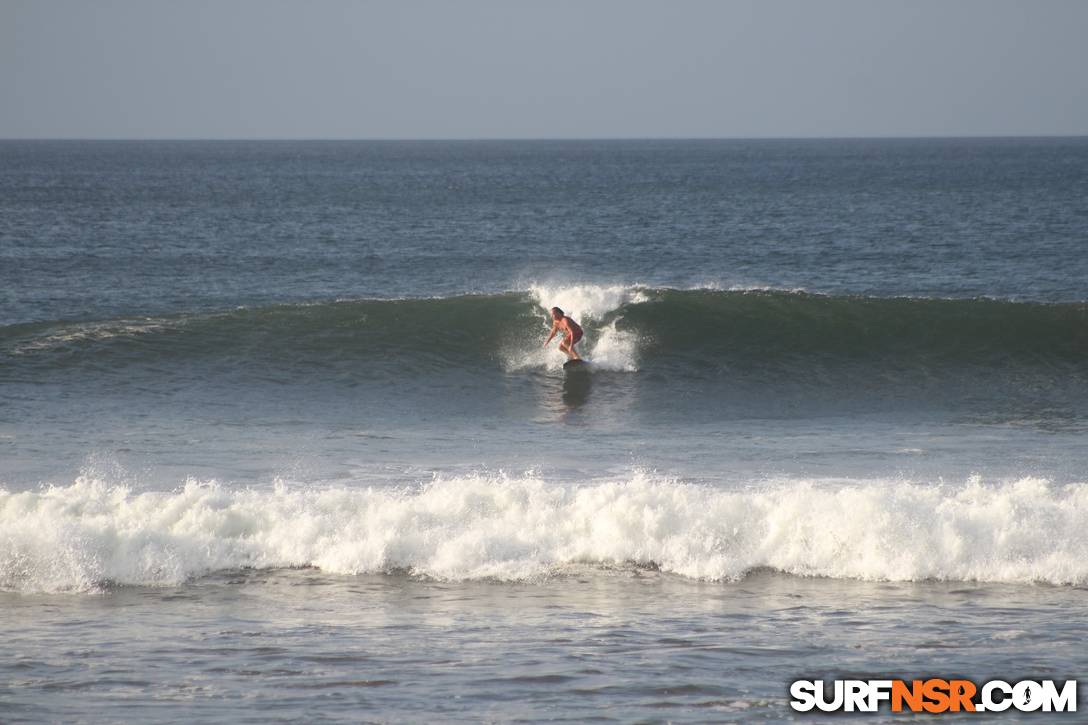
[(627, 328), (89, 534)]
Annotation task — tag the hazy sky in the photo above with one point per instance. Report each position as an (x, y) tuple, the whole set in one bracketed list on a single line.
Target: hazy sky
[(550, 68)]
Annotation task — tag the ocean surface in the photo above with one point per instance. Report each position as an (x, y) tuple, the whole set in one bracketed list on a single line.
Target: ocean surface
[(279, 440)]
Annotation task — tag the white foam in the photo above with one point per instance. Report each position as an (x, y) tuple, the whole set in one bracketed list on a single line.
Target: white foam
[(94, 332), (590, 302), (608, 347), (757, 287), (614, 349), (75, 538)]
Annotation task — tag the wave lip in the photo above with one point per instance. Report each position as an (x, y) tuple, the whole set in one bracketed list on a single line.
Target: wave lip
[(88, 534)]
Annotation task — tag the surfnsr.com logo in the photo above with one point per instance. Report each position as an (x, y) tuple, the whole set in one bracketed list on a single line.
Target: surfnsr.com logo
[(933, 696)]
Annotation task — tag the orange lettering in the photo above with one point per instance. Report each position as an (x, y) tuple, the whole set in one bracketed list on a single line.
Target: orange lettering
[(936, 691), (900, 694), (961, 693)]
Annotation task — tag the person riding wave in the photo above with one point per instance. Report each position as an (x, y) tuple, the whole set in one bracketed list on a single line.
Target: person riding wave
[(572, 333)]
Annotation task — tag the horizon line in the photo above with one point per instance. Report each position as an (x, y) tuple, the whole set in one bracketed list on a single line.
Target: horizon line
[(485, 139)]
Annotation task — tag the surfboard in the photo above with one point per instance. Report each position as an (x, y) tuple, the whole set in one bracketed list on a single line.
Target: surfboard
[(575, 364)]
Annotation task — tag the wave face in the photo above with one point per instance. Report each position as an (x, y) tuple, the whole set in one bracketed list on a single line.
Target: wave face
[(769, 324), (89, 534), (627, 328)]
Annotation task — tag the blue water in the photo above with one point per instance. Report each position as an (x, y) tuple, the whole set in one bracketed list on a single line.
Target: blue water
[(277, 431), (98, 230)]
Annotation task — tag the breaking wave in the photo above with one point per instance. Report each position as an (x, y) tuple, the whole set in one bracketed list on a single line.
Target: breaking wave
[(89, 534), (626, 327)]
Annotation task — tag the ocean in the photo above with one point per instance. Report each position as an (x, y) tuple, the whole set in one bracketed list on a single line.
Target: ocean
[(279, 440)]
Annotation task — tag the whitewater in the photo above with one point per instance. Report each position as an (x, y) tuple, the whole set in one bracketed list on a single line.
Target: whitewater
[(521, 528)]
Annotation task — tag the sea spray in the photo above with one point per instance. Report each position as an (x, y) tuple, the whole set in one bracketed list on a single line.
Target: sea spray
[(587, 301), (519, 528), (597, 308)]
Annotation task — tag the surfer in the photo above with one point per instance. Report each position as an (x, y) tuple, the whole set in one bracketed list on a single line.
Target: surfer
[(572, 333)]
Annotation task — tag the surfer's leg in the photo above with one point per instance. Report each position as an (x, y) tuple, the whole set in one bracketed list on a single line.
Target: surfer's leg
[(570, 348)]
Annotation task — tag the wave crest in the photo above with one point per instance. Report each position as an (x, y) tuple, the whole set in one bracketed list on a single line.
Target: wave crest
[(87, 534)]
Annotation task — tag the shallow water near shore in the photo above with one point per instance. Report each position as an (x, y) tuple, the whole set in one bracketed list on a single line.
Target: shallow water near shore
[(616, 644)]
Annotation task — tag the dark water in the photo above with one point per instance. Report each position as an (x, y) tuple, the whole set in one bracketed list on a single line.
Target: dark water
[(102, 230), (318, 366)]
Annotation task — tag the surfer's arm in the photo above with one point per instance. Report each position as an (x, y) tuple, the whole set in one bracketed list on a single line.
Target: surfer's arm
[(555, 329)]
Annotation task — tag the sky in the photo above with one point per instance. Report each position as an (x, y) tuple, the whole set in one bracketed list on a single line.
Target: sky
[(443, 69)]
